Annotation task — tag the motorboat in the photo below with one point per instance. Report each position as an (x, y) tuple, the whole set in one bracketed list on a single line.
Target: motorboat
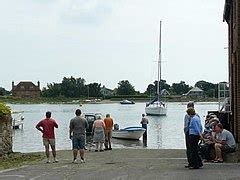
[(156, 106), (125, 101), (132, 133)]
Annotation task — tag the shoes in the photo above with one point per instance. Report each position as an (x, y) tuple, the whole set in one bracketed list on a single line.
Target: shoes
[(106, 149), (187, 166), (48, 161), (217, 161), (101, 150), (193, 167), (109, 148), (55, 161), (96, 150), (75, 161), (82, 160)]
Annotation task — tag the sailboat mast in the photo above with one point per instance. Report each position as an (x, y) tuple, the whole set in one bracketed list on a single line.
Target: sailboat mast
[(159, 61)]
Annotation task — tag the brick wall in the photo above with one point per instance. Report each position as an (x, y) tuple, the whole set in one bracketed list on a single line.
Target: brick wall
[(5, 135)]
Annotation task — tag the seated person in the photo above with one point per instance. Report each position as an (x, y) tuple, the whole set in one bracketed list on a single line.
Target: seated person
[(224, 143)]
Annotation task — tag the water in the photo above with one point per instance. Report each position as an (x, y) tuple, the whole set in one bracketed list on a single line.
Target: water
[(164, 132)]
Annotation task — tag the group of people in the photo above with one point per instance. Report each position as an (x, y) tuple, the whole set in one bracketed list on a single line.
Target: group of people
[(101, 130), (213, 137)]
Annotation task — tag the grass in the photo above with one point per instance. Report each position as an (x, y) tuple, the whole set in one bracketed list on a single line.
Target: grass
[(19, 159)]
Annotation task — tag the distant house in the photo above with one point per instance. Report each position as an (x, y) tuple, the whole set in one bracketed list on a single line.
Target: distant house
[(195, 91), (164, 92), (106, 92), (26, 89)]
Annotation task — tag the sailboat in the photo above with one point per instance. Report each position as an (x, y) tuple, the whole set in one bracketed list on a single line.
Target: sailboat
[(156, 106)]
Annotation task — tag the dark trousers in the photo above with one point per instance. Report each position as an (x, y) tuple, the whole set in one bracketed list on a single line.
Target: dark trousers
[(194, 158), (145, 133), (187, 146)]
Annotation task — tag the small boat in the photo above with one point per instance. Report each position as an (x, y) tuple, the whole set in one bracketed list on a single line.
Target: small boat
[(17, 119), (133, 133), (125, 101)]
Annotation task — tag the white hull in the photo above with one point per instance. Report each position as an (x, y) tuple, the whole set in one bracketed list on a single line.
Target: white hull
[(157, 110), (123, 134)]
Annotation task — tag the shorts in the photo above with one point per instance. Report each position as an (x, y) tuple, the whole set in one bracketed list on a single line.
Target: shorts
[(78, 142), (47, 142), (108, 134), (227, 149)]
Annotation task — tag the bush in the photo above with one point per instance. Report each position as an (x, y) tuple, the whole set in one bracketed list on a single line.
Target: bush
[(4, 110)]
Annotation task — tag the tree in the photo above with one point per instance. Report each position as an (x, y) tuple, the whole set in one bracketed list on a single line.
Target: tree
[(94, 89), (125, 88), (152, 88), (210, 89), (52, 90), (180, 88), (72, 87)]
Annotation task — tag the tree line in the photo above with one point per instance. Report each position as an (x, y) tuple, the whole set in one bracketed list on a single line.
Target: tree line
[(71, 87)]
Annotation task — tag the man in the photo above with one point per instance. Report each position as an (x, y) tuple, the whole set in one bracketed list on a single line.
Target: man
[(46, 126), (195, 134), (144, 123), (186, 130), (108, 132), (225, 143), (77, 130)]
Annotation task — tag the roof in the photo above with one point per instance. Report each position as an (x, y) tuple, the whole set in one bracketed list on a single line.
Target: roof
[(26, 86), (195, 89)]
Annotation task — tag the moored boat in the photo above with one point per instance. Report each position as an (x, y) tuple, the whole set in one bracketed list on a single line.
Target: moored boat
[(125, 101), (133, 133)]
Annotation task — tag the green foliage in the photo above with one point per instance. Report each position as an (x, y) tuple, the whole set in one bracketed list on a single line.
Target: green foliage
[(94, 90), (125, 88), (180, 88), (152, 88), (4, 110), (210, 89)]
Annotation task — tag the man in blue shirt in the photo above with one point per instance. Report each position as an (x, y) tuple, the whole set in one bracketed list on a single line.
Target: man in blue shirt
[(195, 134)]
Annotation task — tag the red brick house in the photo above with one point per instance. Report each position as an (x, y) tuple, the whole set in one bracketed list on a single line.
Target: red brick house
[(26, 89), (232, 17)]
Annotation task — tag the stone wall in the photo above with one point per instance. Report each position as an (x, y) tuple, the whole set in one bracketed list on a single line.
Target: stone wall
[(5, 135)]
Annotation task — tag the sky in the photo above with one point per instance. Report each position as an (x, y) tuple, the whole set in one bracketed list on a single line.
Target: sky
[(107, 41)]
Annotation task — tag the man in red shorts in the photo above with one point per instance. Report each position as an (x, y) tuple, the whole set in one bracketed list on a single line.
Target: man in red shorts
[(46, 126)]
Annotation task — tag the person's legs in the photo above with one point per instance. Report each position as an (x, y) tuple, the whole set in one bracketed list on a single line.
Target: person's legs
[(97, 145), (47, 152), (106, 140), (187, 147), (53, 147), (194, 159), (81, 146), (75, 148), (218, 151), (101, 146), (46, 145), (109, 140)]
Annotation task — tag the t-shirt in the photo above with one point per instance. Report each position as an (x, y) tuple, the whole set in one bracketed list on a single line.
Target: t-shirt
[(144, 120), (227, 136), (78, 125), (195, 126), (108, 123), (48, 125)]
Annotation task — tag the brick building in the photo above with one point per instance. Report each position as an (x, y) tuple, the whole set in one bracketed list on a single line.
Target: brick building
[(232, 17), (26, 89)]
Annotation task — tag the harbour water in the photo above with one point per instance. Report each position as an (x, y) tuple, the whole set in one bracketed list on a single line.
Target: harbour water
[(165, 132)]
